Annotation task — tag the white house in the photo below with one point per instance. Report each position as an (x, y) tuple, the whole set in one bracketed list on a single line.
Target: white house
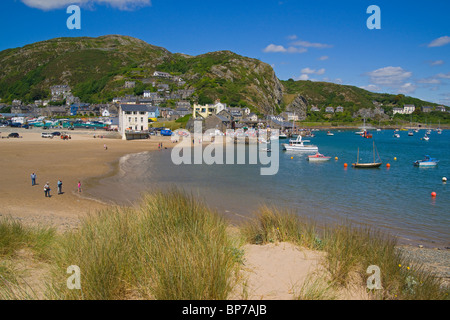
[(133, 121), (397, 110), (408, 108), (209, 109), (105, 113), (162, 74)]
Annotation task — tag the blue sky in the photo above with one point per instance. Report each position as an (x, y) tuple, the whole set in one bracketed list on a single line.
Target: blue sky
[(316, 40)]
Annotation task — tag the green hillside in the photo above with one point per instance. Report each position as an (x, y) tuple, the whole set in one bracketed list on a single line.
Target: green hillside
[(97, 68)]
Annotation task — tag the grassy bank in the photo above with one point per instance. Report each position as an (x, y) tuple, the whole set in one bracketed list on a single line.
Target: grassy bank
[(349, 251), (170, 246)]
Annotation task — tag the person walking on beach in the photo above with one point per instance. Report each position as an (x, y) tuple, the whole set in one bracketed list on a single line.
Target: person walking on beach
[(79, 186), (47, 190), (59, 187), (105, 147), (33, 179)]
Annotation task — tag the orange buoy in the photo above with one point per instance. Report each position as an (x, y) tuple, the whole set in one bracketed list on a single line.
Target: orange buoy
[(388, 165), (336, 158), (433, 194), (345, 165), (292, 158)]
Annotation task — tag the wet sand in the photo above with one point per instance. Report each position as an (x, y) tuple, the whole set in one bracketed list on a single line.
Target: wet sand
[(79, 159)]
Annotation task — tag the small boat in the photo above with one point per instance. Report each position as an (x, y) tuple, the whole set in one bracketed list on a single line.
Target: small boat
[(298, 145), (396, 135), (426, 162), (426, 138), (318, 157), (366, 135), (410, 133), (282, 136), (367, 165), (329, 133)]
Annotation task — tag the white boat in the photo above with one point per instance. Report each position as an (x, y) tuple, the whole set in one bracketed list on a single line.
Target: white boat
[(282, 136), (426, 138), (298, 145), (329, 133), (427, 162), (396, 135), (318, 157)]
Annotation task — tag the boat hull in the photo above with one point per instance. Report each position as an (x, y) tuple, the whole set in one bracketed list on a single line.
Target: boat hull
[(288, 147), (319, 159), (367, 165)]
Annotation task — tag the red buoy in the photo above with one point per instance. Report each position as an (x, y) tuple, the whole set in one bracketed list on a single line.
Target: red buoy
[(433, 194), (345, 165)]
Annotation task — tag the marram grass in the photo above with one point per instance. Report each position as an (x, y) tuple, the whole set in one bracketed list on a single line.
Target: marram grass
[(170, 247), (349, 251)]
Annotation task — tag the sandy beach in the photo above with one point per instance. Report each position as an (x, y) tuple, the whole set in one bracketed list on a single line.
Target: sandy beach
[(77, 159), (273, 271)]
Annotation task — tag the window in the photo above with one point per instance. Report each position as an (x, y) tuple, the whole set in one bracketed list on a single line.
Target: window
[(142, 119), (129, 119)]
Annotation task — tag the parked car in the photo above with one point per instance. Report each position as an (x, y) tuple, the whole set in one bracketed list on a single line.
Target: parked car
[(46, 135), (56, 133), (13, 135)]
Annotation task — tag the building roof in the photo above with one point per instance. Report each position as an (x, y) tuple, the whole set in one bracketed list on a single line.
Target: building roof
[(136, 107)]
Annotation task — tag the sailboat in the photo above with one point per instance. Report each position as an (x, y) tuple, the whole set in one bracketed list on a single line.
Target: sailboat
[(368, 164)]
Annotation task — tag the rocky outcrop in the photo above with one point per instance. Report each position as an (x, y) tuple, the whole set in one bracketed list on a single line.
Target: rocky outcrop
[(300, 106)]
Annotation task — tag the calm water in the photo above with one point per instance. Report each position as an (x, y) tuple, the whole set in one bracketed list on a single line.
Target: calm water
[(396, 199)]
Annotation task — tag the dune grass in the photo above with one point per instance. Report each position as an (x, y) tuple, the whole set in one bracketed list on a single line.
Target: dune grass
[(170, 247), (349, 252)]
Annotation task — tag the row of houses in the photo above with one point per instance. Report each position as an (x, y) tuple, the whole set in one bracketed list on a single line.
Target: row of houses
[(328, 109), (410, 108)]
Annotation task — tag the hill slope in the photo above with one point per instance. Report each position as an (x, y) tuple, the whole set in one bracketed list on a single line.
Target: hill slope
[(97, 68)]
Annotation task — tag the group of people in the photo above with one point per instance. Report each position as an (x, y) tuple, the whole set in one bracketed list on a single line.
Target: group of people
[(47, 188)]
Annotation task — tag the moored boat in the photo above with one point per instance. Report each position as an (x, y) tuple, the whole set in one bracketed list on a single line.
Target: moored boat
[(298, 145), (318, 157), (367, 165), (426, 162)]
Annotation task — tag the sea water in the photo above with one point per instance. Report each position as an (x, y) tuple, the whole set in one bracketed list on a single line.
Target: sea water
[(396, 199)]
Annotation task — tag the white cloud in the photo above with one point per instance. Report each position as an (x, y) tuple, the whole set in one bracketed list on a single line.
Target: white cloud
[(59, 4), (430, 80), (303, 77), (292, 37), (312, 71), (274, 48), (296, 50), (392, 78), (439, 42), (436, 63), (322, 58), (308, 44), (443, 75), (371, 87), (389, 76), (279, 48), (407, 88)]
